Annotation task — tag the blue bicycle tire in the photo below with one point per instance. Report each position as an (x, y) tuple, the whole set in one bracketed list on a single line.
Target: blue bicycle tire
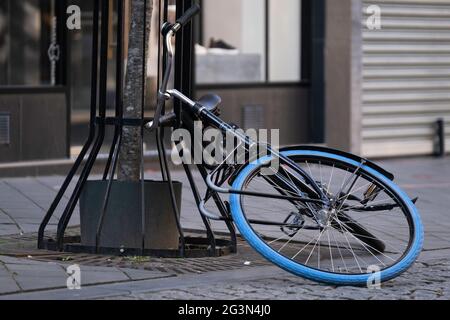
[(312, 273)]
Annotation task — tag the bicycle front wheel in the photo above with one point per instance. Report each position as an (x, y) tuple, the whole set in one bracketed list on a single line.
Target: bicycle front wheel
[(371, 226)]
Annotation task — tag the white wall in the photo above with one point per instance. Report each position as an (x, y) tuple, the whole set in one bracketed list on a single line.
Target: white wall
[(253, 33), (284, 40), (223, 20), (241, 23)]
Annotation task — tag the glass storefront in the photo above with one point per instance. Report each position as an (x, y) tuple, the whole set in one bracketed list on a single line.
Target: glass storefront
[(252, 41), (29, 49), (237, 42)]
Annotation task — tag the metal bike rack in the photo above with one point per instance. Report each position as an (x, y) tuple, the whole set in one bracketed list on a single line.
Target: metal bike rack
[(99, 121)]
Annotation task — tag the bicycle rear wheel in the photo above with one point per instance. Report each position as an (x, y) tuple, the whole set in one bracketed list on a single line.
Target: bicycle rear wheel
[(371, 226)]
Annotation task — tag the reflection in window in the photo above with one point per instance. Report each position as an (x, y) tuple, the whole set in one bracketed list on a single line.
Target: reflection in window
[(25, 38), (284, 40), (251, 41), (80, 44), (234, 42)]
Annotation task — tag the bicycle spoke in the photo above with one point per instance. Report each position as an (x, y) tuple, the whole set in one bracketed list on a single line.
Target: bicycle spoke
[(384, 232), (384, 241), (329, 246), (301, 250), (352, 251), (348, 194), (356, 190), (287, 242), (331, 178), (289, 177), (338, 248), (276, 187), (320, 170), (364, 245), (315, 244), (309, 168)]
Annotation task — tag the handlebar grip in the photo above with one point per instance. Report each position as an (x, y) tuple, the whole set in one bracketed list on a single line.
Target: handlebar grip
[(188, 15)]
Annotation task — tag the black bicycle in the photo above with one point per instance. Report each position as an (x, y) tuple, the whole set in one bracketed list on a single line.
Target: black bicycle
[(322, 214)]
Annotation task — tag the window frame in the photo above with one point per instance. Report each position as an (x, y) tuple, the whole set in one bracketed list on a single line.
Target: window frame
[(305, 49), (61, 65)]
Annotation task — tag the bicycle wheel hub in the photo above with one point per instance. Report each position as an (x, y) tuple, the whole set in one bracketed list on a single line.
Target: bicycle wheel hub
[(323, 217)]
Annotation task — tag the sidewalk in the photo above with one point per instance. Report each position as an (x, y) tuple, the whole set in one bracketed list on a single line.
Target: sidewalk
[(24, 201)]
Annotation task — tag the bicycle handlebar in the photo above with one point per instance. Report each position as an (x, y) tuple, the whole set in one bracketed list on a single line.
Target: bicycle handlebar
[(169, 31), (188, 15)]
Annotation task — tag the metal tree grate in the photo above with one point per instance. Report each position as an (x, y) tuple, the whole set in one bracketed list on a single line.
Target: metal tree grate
[(99, 121), (24, 246)]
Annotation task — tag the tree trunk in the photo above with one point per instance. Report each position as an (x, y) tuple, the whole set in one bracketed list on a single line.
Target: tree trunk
[(130, 153)]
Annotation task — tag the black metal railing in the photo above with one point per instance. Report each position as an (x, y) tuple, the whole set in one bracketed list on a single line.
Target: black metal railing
[(99, 122)]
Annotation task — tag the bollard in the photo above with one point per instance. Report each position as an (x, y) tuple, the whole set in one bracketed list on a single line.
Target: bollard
[(440, 138)]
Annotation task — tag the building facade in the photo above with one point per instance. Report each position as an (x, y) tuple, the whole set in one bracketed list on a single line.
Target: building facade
[(367, 76)]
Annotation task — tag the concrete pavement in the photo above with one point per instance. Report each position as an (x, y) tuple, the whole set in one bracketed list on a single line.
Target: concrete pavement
[(24, 201)]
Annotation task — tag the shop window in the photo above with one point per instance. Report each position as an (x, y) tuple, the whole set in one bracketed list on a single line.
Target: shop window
[(284, 40), (251, 41), (29, 50)]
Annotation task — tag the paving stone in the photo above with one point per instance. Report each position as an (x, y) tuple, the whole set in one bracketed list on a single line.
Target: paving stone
[(65, 294), (171, 295), (4, 218), (48, 268), (421, 282), (92, 277), (29, 228), (136, 274), (27, 199), (53, 275), (433, 242), (22, 261), (3, 271), (39, 277), (33, 220), (99, 274), (33, 213), (34, 282), (9, 230), (430, 255), (7, 284), (20, 204)]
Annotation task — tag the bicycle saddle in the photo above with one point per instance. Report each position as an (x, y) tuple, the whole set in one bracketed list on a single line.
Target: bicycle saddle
[(210, 102)]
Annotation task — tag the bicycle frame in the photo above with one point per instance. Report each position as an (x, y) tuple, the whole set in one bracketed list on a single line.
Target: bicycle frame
[(195, 110), (291, 183), (304, 202)]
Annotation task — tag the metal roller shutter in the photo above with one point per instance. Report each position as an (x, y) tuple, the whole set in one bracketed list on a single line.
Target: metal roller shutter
[(406, 72)]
